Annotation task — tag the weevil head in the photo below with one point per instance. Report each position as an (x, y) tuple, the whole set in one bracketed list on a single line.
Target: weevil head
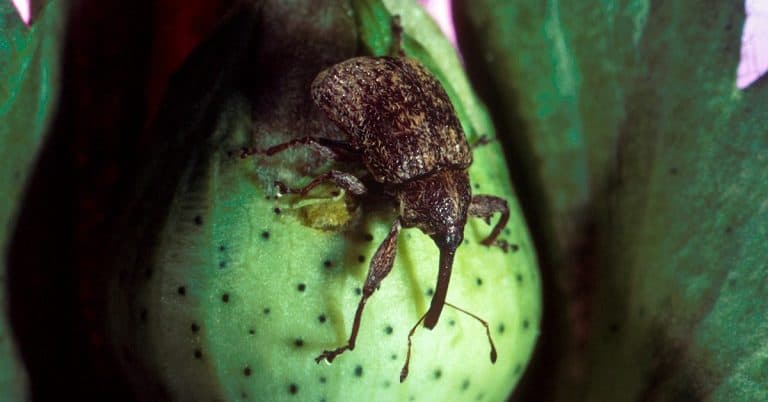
[(437, 204)]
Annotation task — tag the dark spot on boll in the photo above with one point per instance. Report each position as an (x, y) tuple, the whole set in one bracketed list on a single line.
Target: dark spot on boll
[(323, 380), (368, 237), (182, 290), (244, 395), (293, 389), (252, 331), (222, 264), (225, 297), (266, 310), (518, 368), (298, 342), (360, 258), (465, 384), (277, 211), (387, 384), (194, 327), (198, 354), (430, 292), (437, 374), (673, 171), (479, 281), (358, 371), (198, 220), (322, 318), (526, 324), (265, 235), (222, 247), (302, 287), (452, 322), (388, 330), (514, 247), (501, 328), (327, 263), (393, 356), (247, 371), (519, 278), (358, 291), (507, 231), (614, 328)]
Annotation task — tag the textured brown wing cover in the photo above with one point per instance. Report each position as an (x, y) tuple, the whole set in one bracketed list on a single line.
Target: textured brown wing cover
[(396, 113)]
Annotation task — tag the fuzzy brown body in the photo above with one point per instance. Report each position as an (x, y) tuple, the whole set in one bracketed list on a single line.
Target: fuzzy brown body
[(397, 115), (402, 127)]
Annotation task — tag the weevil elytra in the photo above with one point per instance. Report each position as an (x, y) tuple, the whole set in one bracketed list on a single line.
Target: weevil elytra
[(402, 127)]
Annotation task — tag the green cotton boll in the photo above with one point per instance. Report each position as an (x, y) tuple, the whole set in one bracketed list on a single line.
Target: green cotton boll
[(223, 291)]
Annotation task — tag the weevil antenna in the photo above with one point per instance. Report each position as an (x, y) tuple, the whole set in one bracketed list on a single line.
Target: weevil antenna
[(485, 324)]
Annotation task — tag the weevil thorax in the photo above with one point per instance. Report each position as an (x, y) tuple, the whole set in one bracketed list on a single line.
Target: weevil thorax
[(396, 114)]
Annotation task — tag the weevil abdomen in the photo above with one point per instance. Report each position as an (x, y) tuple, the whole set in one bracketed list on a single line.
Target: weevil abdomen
[(396, 114)]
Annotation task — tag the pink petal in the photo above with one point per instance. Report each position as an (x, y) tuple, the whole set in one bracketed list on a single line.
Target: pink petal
[(441, 11), (754, 44), (22, 7)]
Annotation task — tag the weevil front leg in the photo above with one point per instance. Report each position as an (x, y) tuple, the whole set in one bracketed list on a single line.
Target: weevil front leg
[(381, 264), (484, 206), (344, 180), (340, 149)]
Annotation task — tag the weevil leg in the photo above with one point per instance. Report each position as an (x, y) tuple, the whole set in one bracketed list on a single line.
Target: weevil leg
[(340, 149), (482, 140), (397, 37), (484, 206), (381, 264), (344, 180), (404, 370)]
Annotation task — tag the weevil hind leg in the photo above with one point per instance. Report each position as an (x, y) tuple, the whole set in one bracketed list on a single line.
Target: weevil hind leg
[(381, 265), (397, 37), (482, 140), (344, 180), (484, 206)]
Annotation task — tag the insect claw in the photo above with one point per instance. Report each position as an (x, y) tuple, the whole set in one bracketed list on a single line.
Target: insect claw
[(281, 188), (330, 355), (326, 356), (246, 152)]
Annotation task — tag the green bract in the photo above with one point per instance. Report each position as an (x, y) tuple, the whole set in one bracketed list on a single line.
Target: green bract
[(224, 292), (29, 66), (633, 125)]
